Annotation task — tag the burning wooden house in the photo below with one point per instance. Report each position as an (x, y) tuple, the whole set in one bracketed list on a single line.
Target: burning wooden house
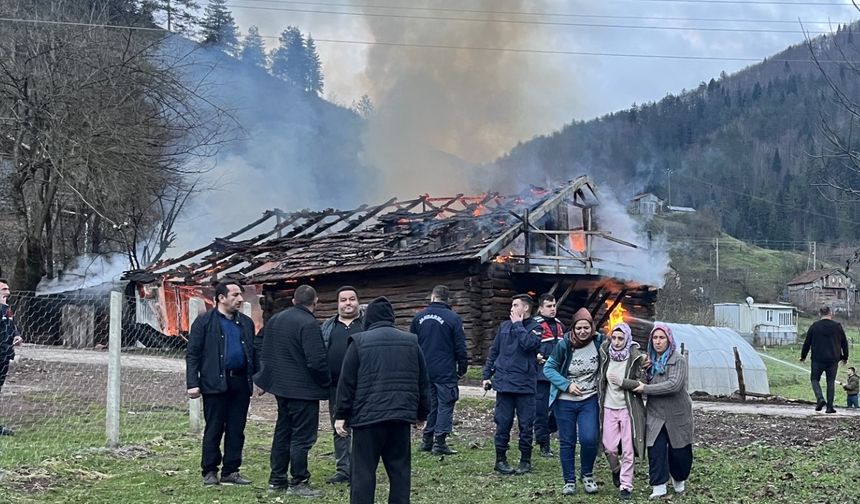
[(485, 248)]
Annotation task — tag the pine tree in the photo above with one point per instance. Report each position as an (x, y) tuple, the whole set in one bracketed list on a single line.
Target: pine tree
[(289, 60), (180, 16), (363, 107), (776, 164), (219, 27), (314, 79), (253, 52)]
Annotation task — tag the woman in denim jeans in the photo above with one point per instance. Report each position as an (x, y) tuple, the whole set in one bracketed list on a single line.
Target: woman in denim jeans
[(573, 370)]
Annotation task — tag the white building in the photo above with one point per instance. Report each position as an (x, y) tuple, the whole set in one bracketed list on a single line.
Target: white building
[(759, 323)]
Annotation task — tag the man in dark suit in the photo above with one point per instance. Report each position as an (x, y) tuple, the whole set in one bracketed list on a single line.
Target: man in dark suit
[(220, 362), (383, 390), (294, 368)]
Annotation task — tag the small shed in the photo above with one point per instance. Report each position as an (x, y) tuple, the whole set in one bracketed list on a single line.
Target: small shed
[(711, 359), (759, 323), (646, 204), (831, 287)]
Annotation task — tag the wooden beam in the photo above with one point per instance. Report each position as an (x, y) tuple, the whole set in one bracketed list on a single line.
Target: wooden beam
[(508, 236), (369, 215), (617, 301), (560, 301)]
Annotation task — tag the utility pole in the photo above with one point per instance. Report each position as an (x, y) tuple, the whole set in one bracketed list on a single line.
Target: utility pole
[(717, 248), (812, 256), (669, 183)]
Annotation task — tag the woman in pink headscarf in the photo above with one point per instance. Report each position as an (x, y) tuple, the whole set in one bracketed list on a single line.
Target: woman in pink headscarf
[(668, 413)]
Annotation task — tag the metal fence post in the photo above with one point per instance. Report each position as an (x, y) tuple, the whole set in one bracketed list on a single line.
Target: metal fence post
[(113, 377), (195, 306)]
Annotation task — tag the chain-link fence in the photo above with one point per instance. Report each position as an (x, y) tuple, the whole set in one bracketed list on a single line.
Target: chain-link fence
[(59, 396)]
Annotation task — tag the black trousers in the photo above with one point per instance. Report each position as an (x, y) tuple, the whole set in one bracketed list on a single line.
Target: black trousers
[(523, 406), (544, 419), (829, 370), (4, 370), (295, 435), (390, 441), (664, 459), (225, 415)]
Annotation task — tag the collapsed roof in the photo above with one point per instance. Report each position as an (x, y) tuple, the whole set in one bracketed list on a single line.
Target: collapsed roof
[(395, 233)]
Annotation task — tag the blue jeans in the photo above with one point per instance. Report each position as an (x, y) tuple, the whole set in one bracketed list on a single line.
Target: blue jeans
[(580, 418), (852, 401)]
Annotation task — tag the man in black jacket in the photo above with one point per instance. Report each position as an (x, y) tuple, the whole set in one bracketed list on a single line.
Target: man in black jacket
[(827, 341), (336, 332), (294, 368), (383, 389), (219, 362), (9, 339), (440, 334)]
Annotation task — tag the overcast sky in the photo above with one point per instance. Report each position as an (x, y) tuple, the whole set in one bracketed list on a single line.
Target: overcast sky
[(553, 88)]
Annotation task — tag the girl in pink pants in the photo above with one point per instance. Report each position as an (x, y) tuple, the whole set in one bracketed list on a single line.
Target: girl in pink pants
[(622, 413)]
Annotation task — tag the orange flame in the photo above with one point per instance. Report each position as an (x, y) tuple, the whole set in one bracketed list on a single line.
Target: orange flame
[(503, 258), (616, 316), (577, 241), (478, 210)]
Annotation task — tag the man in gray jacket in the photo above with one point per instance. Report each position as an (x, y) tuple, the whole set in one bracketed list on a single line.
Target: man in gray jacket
[(336, 331)]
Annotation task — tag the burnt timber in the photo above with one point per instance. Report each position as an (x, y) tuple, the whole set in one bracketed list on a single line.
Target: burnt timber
[(486, 248)]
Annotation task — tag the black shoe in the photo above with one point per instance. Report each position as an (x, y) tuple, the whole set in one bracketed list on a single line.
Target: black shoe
[(502, 467), (546, 452), (278, 487), (624, 494), (6, 432), (337, 479), (616, 480), (234, 479), (830, 410), (820, 405), (426, 442), (440, 447), (524, 467), (210, 478), (304, 490)]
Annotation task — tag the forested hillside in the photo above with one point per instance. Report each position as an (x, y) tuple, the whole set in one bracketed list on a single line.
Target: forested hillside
[(742, 147)]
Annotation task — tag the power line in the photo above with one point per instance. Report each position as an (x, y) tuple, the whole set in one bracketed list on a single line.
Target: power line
[(748, 2), (680, 57), (522, 21), (546, 13)]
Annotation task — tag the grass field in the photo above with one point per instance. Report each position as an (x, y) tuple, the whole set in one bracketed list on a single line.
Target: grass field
[(160, 465)]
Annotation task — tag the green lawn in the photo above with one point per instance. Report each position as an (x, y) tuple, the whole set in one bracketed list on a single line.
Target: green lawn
[(791, 383), (164, 469)]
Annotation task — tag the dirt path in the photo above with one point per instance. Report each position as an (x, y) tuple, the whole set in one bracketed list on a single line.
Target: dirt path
[(100, 357)]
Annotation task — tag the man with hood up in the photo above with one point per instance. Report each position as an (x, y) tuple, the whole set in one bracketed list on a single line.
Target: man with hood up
[(384, 388)]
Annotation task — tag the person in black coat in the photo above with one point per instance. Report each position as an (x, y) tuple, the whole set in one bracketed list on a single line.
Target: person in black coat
[(294, 368), (440, 334), (829, 345), (219, 363), (10, 337), (511, 370), (384, 389)]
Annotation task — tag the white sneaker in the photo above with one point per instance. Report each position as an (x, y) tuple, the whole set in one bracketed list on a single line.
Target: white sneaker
[(589, 484), (658, 491), (679, 486), (568, 489)]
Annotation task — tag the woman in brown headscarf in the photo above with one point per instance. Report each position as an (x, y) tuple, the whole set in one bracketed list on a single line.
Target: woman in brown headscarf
[(573, 370)]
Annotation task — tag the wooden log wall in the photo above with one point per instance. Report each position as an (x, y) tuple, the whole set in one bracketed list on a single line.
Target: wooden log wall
[(480, 294), (408, 289)]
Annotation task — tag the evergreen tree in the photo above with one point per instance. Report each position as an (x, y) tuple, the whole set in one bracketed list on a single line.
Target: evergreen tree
[(289, 60), (776, 164), (219, 27), (314, 76), (180, 16), (253, 52)]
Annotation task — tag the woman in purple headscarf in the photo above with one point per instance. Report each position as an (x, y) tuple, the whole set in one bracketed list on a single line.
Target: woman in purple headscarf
[(669, 414), (622, 413)]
